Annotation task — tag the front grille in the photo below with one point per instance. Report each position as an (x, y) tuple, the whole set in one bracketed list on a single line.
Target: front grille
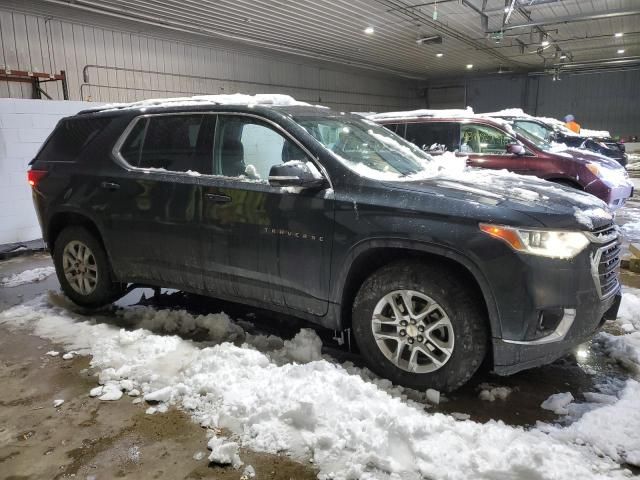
[(604, 235), (604, 268)]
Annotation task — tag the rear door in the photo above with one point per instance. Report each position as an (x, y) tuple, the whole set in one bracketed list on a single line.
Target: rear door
[(486, 147), (267, 244), (151, 202)]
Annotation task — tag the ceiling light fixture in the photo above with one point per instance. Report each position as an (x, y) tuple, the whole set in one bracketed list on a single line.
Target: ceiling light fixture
[(621, 50), (545, 43), (469, 66), (619, 34), (369, 30), (563, 56), (439, 55)]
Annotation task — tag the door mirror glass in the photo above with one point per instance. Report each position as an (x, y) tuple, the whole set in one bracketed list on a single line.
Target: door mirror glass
[(296, 173), (516, 149)]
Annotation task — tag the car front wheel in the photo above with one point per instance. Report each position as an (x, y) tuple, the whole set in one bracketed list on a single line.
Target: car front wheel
[(420, 326)]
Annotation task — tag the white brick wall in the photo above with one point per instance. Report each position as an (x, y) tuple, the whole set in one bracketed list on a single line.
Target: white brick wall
[(24, 125)]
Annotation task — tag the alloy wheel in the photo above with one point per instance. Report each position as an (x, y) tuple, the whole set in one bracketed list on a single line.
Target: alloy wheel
[(80, 268), (412, 331)]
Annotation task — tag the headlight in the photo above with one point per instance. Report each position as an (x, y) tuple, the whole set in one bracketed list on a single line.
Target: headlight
[(546, 243), (593, 168)]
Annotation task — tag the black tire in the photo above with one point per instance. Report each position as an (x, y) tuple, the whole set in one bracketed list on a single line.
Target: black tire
[(459, 302), (105, 290)]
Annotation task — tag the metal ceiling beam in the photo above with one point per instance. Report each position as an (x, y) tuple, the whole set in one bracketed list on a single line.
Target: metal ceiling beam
[(573, 19), (484, 19)]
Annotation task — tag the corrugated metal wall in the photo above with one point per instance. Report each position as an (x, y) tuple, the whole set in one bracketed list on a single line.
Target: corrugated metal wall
[(602, 101), (36, 42)]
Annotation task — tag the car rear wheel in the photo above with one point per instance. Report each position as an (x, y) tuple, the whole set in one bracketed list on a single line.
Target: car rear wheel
[(83, 268), (420, 326)]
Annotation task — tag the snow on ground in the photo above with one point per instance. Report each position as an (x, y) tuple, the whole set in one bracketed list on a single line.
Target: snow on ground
[(28, 276), (349, 425), (557, 403)]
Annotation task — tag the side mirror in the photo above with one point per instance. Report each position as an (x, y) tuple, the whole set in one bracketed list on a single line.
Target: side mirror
[(516, 149), (296, 173)]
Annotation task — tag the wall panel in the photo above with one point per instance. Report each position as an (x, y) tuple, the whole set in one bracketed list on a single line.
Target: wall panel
[(34, 42)]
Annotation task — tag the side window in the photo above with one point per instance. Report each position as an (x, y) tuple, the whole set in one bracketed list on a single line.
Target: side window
[(535, 129), (132, 146), (483, 139), (172, 142), (248, 148), (70, 137), (395, 128), (434, 137)]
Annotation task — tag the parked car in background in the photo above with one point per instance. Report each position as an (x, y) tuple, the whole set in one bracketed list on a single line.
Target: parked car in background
[(496, 144), (332, 218), (552, 130)]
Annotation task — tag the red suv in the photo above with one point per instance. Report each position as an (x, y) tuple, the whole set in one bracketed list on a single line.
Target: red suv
[(497, 144)]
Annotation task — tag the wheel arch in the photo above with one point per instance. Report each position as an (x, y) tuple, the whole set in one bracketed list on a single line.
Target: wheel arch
[(372, 255), (62, 219)]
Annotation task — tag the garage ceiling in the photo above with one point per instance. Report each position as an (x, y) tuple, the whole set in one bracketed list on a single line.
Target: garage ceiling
[(491, 35)]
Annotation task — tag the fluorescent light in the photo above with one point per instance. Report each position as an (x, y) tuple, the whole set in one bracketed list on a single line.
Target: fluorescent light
[(563, 56), (470, 66), (545, 43), (369, 30), (621, 50), (619, 34), (439, 54)]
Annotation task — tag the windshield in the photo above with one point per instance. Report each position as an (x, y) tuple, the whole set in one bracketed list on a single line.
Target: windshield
[(541, 143), (366, 147)]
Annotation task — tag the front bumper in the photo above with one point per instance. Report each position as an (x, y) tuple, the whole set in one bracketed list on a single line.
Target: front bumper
[(548, 306), (511, 357), (615, 196)]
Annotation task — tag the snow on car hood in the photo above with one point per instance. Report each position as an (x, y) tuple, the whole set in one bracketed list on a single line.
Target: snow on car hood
[(549, 203)]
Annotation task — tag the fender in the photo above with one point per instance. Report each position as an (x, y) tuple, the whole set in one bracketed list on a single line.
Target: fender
[(363, 246), (74, 210)]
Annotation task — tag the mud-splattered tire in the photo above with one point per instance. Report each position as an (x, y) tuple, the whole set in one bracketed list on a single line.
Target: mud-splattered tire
[(435, 336), (83, 268)]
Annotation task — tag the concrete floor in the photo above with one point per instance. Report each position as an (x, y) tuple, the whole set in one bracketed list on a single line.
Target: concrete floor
[(86, 438)]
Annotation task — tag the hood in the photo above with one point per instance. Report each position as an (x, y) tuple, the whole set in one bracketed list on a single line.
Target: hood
[(489, 191), (584, 156)]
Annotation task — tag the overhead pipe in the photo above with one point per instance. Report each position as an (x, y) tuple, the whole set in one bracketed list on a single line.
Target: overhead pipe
[(571, 19)]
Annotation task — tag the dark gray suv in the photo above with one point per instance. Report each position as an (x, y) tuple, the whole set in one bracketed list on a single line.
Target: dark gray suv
[(331, 218)]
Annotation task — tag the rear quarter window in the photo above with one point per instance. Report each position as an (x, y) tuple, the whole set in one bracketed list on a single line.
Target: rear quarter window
[(70, 137)]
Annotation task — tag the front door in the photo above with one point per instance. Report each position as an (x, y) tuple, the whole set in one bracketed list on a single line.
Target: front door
[(263, 243)]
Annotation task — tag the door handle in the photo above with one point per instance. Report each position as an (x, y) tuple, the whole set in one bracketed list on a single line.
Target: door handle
[(215, 198), (110, 185)]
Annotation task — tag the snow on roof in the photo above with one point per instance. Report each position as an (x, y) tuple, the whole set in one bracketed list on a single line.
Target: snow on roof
[(265, 99), (446, 113), (585, 132)]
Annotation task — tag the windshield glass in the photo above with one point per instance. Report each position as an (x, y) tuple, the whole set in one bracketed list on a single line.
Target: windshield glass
[(366, 147), (535, 139)]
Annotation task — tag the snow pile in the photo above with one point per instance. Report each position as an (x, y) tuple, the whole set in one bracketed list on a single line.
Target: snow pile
[(586, 132), (266, 99), (350, 427), (445, 113), (28, 276), (491, 393), (305, 347), (217, 325), (557, 403), (629, 312), (610, 430), (224, 452)]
